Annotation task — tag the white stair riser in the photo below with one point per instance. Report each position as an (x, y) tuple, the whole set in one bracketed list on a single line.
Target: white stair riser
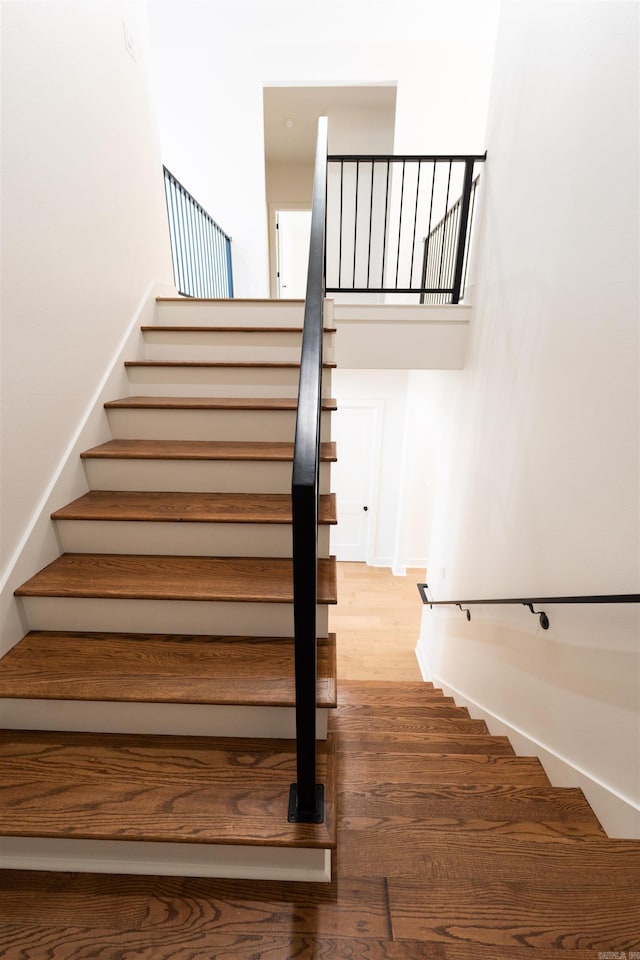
[(234, 619), (220, 381), (196, 476), (166, 859), (262, 425), (249, 313), (243, 345), (170, 719), (182, 539)]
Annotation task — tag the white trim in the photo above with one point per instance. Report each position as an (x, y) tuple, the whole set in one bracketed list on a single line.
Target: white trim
[(273, 207), (619, 815), (168, 719), (166, 859), (424, 666)]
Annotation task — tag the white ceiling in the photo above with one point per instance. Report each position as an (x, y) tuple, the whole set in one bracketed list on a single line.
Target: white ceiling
[(303, 105)]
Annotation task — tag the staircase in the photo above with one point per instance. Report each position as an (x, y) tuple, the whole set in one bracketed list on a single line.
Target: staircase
[(150, 710), (477, 854)]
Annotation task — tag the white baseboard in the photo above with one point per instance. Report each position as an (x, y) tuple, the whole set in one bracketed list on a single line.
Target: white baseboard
[(424, 666), (619, 816)]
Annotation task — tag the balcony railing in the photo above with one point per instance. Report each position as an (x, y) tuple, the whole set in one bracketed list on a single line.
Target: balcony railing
[(200, 249), (400, 224)]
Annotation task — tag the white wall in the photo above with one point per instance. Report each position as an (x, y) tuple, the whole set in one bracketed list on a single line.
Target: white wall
[(539, 479), (212, 59), (84, 233)]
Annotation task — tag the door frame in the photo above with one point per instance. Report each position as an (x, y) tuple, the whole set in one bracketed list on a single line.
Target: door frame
[(377, 408), (273, 206)]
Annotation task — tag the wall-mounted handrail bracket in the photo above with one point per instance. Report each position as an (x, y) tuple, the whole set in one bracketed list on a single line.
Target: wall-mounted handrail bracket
[(544, 619), (464, 610)]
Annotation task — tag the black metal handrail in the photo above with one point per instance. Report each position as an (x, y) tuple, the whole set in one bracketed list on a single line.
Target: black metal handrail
[(529, 602), (306, 799), (381, 208), (200, 249)]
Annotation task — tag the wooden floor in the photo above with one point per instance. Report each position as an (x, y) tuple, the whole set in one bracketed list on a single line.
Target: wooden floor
[(377, 621), (449, 846)]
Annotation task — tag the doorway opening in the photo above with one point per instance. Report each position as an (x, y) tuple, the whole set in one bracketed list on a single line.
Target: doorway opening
[(361, 120), (290, 226)]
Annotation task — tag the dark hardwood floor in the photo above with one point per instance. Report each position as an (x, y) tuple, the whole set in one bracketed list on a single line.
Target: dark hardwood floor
[(449, 848)]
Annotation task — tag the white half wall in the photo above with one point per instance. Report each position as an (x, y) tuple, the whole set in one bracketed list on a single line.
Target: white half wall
[(84, 233), (538, 482)]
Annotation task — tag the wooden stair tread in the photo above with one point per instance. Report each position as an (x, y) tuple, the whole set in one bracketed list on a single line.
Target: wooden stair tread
[(271, 364), (380, 741), (157, 788), (124, 576), (189, 507), (425, 723), (498, 917), (226, 328), (200, 450), (382, 695), (211, 403), (433, 707), (480, 807), (401, 768), (449, 857), (152, 668)]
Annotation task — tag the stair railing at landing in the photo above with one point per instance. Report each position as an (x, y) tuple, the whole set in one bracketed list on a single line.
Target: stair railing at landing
[(529, 602), (306, 801), (200, 249), (394, 227)]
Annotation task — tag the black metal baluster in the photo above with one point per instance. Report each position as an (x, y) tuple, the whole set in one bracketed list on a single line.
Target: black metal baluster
[(171, 219), (425, 262), (355, 224), (209, 231), (384, 236), (183, 241), (370, 223), (415, 223), (469, 232), (229, 264), (217, 272), (341, 219), (400, 222), (446, 207), (188, 233), (197, 242), (466, 196)]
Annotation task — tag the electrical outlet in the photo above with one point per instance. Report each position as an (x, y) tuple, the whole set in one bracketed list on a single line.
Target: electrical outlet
[(443, 572), (129, 42)]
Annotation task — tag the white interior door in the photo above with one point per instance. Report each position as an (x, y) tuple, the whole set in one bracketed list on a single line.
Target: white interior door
[(354, 479), (293, 229)]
